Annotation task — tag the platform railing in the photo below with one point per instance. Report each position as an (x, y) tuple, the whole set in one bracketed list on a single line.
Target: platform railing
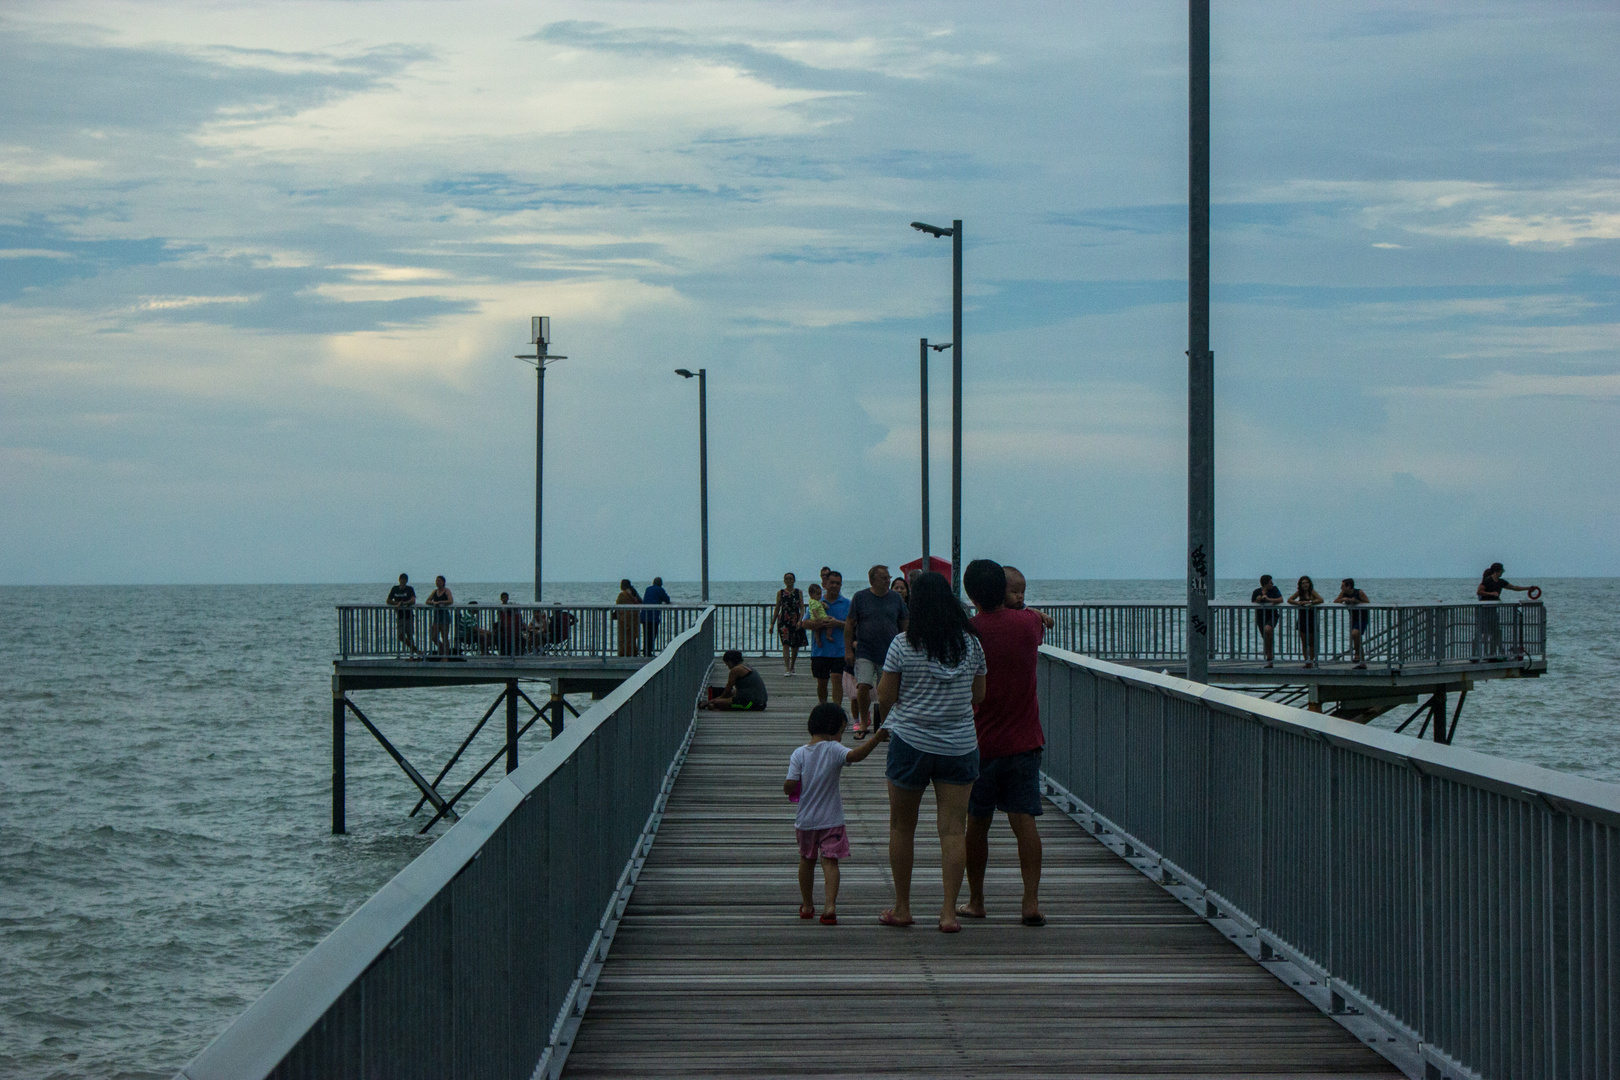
[(490, 632), (1470, 905), (477, 958), (1394, 636)]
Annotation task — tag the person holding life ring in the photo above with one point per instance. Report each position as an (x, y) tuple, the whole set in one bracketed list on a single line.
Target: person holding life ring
[(1488, 627)]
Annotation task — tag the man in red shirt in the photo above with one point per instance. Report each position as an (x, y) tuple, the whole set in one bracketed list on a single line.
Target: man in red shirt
[(1010, 737)]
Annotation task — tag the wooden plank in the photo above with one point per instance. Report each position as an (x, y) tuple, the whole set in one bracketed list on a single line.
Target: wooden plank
[(713, 973)]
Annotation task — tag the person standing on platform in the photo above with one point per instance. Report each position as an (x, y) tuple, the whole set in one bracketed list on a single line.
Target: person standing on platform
[(785, 620), (827, 653), (1008, 724), (1349, 594), (440, 601), (650, 619), (933, 677), (627, 620), (1488, 632), (876, 616), (1307, 599), (1266, 600), (402, 598)]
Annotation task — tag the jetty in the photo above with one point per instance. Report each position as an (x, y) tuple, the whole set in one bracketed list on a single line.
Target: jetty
[(1234, 886)]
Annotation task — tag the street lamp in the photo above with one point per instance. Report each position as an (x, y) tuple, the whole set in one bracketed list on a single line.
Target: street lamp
[(955, 233), (540, 338), (922, 382), (703, 463)]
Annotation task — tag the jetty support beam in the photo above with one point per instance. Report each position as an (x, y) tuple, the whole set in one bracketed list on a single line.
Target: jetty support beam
[(339, 792)]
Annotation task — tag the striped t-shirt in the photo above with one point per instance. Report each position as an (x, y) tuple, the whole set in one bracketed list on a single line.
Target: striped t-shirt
[(934, 712)]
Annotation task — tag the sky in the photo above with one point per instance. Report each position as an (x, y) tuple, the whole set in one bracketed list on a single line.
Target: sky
[(264, 269)]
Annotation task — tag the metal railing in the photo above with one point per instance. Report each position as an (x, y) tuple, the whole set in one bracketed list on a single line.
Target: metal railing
[(1468, 904), (489, 632), (477, 958), (1392, 636)]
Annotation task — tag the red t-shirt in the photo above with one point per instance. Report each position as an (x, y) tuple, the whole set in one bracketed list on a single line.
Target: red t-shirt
[(1009, 718)]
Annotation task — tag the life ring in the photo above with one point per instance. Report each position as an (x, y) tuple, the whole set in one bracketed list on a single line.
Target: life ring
[(1534, 592)]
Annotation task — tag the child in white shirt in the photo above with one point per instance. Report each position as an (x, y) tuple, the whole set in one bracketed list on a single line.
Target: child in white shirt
[(812, 780)]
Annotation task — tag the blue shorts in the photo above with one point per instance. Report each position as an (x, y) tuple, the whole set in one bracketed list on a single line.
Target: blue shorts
[(1011, 784), (912, 769)]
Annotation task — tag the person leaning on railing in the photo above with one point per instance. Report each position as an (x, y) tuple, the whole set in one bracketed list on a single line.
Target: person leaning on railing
[(1266, 598), (1349, 594), (1306, 598), (1488, 631), (402, 598)]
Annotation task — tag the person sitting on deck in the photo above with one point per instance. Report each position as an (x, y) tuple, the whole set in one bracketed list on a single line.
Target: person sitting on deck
[(812, 782), (1349, 594), (468, 632), (744, 689)]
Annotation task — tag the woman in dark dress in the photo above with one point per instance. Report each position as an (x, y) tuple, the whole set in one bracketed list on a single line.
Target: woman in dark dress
[(744, 690), (1307, 599), (785, 621)]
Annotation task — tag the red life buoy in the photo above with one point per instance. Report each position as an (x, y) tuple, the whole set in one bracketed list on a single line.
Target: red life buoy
[(1534, 592)]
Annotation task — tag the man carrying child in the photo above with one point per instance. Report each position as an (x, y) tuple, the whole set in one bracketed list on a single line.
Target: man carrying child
[(827, 649), (1008, 722)]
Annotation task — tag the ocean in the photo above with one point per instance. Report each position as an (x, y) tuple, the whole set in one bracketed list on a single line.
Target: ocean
[(164, 755)]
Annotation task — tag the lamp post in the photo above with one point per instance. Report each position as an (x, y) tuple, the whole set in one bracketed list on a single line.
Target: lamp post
[(955, 233), (703, 464), (540, 338), (1200, 361)]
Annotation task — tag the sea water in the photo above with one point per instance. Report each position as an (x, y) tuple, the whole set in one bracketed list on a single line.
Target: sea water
[(165, 771)]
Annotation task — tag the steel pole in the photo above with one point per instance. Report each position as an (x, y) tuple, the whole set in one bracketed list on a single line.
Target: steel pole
[(956, 407), (339, 796), (922, 382), (1200, 361), (540, 454), (703, 470)]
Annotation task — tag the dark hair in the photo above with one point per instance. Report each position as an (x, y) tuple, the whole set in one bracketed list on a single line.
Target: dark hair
[(1305, 582), (1264, 578), (937, 625), (827, 719), (624, 583), (1350, 581), (986, 583), (404, 577), (658, 581), (732, 657)]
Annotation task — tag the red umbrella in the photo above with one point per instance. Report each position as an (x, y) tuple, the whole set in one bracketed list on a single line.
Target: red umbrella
[(935, 563)]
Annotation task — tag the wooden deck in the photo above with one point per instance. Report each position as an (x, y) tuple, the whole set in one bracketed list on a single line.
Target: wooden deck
[(712, 973)]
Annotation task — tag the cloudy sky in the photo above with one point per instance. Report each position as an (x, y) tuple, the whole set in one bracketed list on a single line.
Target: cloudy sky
[(264, 267)]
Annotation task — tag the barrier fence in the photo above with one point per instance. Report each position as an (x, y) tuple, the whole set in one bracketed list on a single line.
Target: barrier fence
[(1470, 905), (477, 959)]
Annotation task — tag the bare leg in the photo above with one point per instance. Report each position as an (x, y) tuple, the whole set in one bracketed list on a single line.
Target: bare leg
[(793, 664), (951, 802), (978, 858), (807, 884), (837, 690), (829, 876), (1265, 635), (863, 705), (821, 689), (1029, 859), (903, 807), (1355, 640)]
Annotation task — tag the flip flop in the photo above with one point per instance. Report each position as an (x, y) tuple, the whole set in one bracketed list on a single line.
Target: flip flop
[(806, 912), (954, 928), (829, 920), (1034, 920), (888, 919), (962, 910)]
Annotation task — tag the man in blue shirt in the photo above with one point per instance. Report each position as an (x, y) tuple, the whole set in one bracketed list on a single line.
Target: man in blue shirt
[(655, 594), (827, 650)]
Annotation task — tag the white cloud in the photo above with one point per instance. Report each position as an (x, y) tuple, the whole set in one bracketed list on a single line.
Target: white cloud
[(24, 165)]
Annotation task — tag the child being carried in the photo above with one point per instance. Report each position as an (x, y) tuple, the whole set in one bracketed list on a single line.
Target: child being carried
[(812, 779), (816, 609)]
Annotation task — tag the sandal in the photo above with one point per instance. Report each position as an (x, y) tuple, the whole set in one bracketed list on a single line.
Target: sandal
[(829, 919), (807, 911), (888, 919)]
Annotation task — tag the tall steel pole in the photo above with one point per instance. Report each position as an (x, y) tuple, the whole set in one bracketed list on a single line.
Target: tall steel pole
[(922, 382), (703, 470), (1200, 361), (539, 459), (956, 407)]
